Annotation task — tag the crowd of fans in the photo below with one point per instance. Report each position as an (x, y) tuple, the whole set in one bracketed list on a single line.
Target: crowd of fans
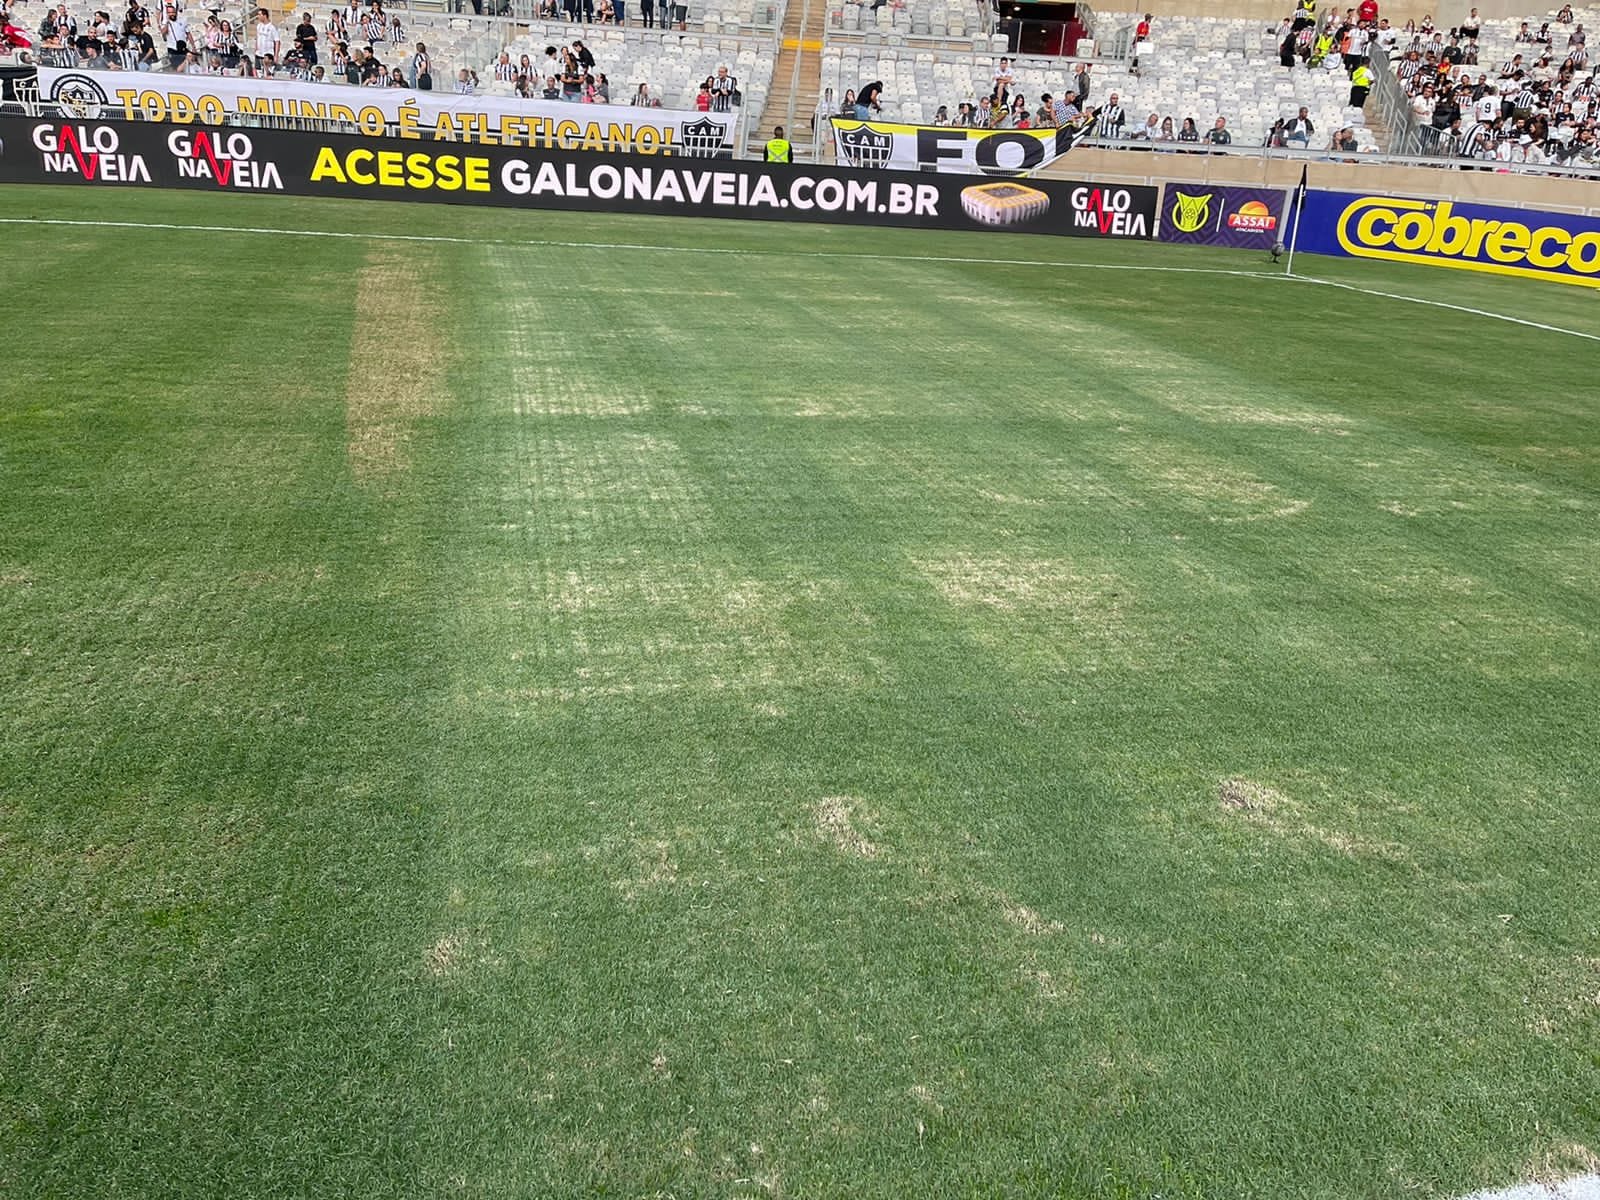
[(1539, 107), (348, 46), (1001, 108)]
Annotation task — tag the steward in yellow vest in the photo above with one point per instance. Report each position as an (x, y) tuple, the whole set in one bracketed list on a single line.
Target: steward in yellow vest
[(779, 150)]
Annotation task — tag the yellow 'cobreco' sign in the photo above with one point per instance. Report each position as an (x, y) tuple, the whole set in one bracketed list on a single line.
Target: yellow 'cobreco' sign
[(1472, 237)]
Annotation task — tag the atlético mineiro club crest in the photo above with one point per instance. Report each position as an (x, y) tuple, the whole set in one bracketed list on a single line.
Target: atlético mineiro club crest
[(866, 147)]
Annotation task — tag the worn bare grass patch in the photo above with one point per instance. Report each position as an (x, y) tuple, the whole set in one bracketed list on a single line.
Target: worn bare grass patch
[(1562, 992), (1250, 414), (1560, 1162), (1276, 813), (456, 951), (1025, 918), (835, 824), (656, 869), (1007, 584), (396, 370), (1230, 495), (629, 627)]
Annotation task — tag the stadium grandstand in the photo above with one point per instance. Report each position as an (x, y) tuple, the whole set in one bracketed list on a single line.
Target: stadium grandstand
[(1517, 91)]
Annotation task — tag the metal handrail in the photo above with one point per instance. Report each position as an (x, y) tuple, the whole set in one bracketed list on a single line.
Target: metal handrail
[(794, 72), (1352, 158)]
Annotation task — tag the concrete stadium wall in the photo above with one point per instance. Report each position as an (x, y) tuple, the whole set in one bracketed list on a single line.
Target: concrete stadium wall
[(1488, 187)]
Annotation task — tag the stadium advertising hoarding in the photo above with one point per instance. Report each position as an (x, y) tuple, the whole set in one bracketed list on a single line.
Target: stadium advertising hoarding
[(379, 112), (95, 153), (880, 145), (1533, 244), (1244, 218)]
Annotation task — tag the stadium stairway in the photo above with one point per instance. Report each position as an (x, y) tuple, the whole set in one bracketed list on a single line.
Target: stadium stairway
[(796, 80)]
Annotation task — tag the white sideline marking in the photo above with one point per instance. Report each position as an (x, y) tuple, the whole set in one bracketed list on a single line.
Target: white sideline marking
[(468, 241), (1579, 1187), (1477, 312), (868, 256)]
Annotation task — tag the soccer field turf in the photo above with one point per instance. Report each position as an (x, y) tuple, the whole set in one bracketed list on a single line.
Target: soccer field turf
[(515, 717)]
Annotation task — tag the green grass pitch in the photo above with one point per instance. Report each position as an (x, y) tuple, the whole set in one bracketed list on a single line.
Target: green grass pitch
[(506, 718)]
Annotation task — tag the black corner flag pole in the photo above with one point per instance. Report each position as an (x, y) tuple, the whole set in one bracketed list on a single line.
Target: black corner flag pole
[(1299, 212)]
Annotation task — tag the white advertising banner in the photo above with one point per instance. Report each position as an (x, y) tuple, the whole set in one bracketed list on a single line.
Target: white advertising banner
[(881, 145), (432, 116)]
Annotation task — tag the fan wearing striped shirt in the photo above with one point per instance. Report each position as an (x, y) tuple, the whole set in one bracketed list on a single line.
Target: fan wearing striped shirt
[(1112, 118)]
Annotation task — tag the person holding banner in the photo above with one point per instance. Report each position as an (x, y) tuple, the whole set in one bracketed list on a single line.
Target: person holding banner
[(867, 101)]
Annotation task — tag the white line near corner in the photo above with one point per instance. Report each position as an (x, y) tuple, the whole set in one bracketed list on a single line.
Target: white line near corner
[(447, 239), (1579, 1187), (1477, 312)]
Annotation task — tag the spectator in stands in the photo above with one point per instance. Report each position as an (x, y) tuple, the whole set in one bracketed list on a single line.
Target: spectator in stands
[(571, 77), (1218, 134), (942, 116), (174, 32), (868, 104), (1002, 74), (305, 39), (505, 71), (1167, 134), (702, 98), (723, 88), (608, 15), (466, 82), (965, 117), (1081, 84), (848, 108), (647, 11), (1112, 118), (268, 40), (1149, 131), (1189, 132), (421, 73), (143, 46), (1064, 109), (230, 49), (825, 109), (1298, 130), (582, 54)]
